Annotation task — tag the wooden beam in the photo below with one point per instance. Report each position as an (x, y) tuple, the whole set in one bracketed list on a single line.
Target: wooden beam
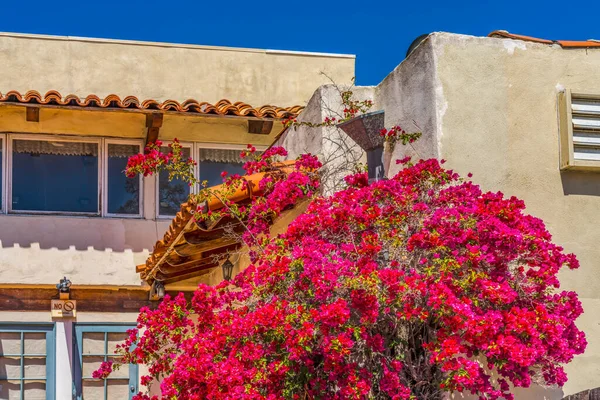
[(32, 114), (260, 127), (187, 274), (153, 123), (187, 250), (88, 300)]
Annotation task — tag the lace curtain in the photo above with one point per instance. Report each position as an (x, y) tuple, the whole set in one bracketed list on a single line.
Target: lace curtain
[(55, 147)]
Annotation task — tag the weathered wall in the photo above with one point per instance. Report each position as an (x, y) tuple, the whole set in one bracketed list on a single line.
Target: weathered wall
[(41, 249), (165, 71), (338, 153), (489, 106), (408, 95), (499, 121)]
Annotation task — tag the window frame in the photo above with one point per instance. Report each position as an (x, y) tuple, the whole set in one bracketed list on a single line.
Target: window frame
[(195, 154), (52, 138), (78, 330), (4, 186), (193, 189), (50, 330), (102, 142), (566, 142), (104, 194)]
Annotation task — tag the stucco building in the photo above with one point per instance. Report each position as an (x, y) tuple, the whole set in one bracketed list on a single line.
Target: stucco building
[(71, 111), (523, 115)]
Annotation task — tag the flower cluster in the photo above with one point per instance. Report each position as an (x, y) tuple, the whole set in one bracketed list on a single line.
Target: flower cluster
[(400, 289), (154, 159), (397, 134)]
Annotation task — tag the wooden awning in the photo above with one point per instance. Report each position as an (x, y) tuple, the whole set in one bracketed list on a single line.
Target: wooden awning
[(191, 247)]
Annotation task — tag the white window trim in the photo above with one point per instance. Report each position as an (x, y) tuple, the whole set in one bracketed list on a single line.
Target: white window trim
[(102, 174), (4, 186), (52, 138), (104, 194)]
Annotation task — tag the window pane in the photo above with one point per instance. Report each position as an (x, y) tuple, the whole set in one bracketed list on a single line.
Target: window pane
[(93, 343), (10, 390), (10, 343), (123, 192), (1, 171), (90, 364), (10, 368), (34, 367), (115, 339), (171, 194), (55, 176), (34, 343), (211, 171), (93, 389), (122, 372), (35, 390), (118, 389)]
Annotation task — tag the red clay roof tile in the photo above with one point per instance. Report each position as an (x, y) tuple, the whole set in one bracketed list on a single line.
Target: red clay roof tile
[(222, 107), (566, 44)]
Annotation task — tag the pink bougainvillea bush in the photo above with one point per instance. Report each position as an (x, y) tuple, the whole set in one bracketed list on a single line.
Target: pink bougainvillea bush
[(401, 289)]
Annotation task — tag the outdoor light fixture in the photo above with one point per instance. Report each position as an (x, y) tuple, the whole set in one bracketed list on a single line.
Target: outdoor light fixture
[(64, 288), (227, 269), (365, 130), (157, 291)]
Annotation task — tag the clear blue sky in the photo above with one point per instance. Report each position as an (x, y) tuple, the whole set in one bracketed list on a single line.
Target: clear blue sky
[(378, 32)]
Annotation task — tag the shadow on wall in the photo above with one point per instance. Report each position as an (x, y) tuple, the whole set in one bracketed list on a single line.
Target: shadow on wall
[(80, 233), (580, 183)]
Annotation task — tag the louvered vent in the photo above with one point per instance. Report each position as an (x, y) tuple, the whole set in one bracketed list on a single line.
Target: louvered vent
[(580, 131), (586, 129)]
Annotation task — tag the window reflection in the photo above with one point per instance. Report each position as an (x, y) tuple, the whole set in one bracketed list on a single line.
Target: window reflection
[(171, 194), (123, 192), (55, 176)]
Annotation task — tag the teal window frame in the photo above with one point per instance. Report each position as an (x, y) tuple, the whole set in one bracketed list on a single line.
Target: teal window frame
[(80, 329), (50, 331)]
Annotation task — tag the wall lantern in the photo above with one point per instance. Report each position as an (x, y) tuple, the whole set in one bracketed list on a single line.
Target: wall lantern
[(64, 288), (365, 130), (227, 269), (157, 291)]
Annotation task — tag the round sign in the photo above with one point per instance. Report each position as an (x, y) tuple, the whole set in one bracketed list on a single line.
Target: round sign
[(69, 306)]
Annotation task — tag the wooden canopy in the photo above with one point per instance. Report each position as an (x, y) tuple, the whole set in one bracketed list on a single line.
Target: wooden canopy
[(191, 247)]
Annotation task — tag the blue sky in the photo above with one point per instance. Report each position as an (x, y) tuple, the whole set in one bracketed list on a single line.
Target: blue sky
[(378, 32)]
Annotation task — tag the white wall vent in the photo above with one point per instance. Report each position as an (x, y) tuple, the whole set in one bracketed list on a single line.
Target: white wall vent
[(579, 130)]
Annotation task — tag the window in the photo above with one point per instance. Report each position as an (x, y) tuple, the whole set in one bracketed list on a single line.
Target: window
[(214, 161), (93, 345), (51, 174), (54, 176), (579, 131), (123, 193), (26, 362), (171, 194)]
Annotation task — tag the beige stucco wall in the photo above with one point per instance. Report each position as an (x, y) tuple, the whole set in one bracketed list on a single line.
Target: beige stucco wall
[(105, 251), (164, 71), (41, 249), (489, 107), (497, 118)]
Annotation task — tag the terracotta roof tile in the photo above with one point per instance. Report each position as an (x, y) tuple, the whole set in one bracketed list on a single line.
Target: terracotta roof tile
[(222, 107), (565, 44)]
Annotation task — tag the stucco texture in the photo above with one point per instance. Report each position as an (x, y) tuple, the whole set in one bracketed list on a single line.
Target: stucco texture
[(498, 99), (489, 106), (163, 71)]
